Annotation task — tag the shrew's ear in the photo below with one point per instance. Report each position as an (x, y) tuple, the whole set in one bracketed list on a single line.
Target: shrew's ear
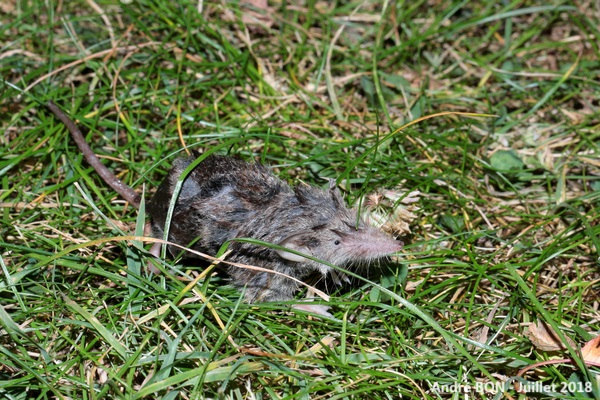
[(336, 195), (296, 243)]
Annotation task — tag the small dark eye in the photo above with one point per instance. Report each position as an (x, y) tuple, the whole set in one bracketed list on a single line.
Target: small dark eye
[(337, 242)]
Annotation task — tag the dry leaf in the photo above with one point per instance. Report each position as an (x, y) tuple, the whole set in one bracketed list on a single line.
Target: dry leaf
[(102, 376), (8, 7), (327, 341), (544, 338), (591, 350), (262, 4), (251, 17)]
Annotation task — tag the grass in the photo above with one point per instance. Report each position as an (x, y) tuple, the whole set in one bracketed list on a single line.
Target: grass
[(506, 230)]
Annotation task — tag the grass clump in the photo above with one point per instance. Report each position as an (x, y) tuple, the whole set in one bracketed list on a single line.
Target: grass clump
[(503, 235)]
